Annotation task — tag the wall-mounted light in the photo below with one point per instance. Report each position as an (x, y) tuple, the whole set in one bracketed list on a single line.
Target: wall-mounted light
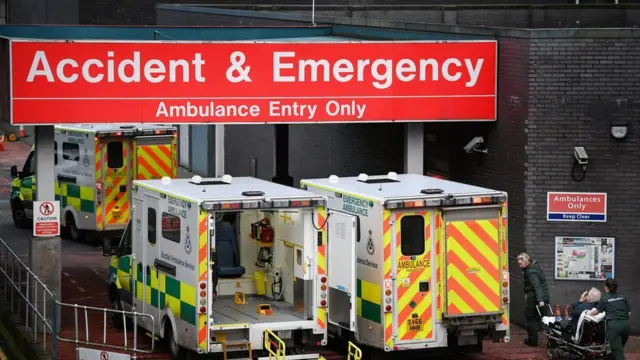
[(619, 129)]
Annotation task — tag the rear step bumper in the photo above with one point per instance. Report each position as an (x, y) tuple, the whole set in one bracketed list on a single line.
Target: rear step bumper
[(296, 357)]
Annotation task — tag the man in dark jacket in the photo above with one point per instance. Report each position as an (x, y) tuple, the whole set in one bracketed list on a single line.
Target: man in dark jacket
[(588, 300), (537, 295)]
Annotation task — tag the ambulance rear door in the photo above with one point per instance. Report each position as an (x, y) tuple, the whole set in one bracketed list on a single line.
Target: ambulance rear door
[(116, 179), (343, 232), (154, 157), (413, 249), (472, 261)]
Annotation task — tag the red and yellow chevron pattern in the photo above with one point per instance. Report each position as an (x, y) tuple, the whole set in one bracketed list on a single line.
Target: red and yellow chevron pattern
[(504, 253), (439, 234), (322, 259), (99, 203), (413, 308), (202, 270), (155, 161), (473, 274), (388, 264), (116, 202)]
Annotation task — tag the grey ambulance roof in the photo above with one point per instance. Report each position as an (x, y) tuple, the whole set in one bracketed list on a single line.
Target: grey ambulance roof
[(228, 192), (112, 127), (408, 186)]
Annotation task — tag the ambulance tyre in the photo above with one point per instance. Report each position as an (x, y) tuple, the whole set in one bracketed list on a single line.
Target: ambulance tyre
[(177, 352), (75, 234), (19, 215), (116, 318)]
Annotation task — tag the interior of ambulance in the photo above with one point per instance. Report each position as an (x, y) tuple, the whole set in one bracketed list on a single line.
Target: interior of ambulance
[(261, 267)]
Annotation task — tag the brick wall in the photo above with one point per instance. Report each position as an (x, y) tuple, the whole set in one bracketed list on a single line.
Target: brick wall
[(576, 86)]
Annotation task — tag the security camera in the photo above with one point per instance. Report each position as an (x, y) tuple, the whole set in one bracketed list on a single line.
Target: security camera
[(581, 155), (473, 145)]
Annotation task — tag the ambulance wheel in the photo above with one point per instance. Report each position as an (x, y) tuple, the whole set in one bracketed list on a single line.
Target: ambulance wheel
[(19, 215), (75, 234), (177, 352)]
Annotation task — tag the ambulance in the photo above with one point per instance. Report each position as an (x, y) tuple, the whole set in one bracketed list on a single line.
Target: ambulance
[(94, 166), (415, 262), (224, 265)]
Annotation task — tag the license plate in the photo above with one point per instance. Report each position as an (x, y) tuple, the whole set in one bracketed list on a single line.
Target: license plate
[(415, 325), (284, 334)]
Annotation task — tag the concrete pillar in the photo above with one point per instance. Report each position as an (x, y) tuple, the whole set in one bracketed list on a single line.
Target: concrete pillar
[(414, 148), (219, 150), (45, 254), (281, 156)]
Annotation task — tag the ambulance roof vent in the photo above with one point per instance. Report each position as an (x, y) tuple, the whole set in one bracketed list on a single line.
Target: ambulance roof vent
[(197, 180), (227, 178), (127, 127), (377, 180), (431, 191), (333, 178), (253, 193), (166, 180), (392, 175), (363, 177)]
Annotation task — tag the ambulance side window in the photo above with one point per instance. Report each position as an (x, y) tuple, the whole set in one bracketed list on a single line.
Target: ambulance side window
[(151, 225), (55, 153), (29, 167), (171, 227), (412, 235), (70, 151), (115, 159)]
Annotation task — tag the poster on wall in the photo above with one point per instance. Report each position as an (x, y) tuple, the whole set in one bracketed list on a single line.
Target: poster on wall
[(585, 258)]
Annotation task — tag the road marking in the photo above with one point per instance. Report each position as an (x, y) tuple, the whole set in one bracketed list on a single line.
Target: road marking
[(80, 289)]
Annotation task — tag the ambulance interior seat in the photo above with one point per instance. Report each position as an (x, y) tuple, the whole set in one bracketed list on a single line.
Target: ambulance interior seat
[(227, 251)]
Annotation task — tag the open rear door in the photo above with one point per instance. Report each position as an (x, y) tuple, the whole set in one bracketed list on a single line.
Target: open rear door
[(472, 261), (154, 157), (342, 235)]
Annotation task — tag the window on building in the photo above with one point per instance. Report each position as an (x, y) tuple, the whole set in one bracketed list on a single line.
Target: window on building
[(115, 158), (70, 151), (412, 235), (151, 225), (171, 227)]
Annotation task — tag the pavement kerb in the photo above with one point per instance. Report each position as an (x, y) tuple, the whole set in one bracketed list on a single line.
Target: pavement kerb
[(16, 339)]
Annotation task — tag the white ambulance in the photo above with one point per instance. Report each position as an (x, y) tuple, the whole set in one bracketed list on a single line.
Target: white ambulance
[(94, 166), (422, 262), (221, 264)]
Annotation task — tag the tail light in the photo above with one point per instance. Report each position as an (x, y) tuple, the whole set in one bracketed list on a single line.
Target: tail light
[(202, 297), (99, 191), (388, 292), (322, 291), (505, 287)]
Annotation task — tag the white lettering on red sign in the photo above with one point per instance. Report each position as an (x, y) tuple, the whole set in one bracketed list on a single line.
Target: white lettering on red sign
[(286, 69), (382, 70), (128, 70)]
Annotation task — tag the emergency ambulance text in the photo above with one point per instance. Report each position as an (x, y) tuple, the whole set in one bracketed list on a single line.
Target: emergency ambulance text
[(414, 264), (355, 206)]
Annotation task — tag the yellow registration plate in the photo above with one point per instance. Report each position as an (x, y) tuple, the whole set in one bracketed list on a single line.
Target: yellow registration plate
[(116, 214), (415, 325)]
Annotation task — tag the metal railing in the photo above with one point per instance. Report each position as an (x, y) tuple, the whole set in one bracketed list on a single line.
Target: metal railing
[(354, 352), (272, 340), (37, 309)]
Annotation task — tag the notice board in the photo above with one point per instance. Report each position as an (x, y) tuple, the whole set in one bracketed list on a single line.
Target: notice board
[(584, 258)]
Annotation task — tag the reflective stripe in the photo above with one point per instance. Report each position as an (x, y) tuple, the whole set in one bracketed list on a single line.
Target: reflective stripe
[(473, 277), (202, 318), (99, 205), (322, 260), (116, 202), (388, 261), (154, 161)]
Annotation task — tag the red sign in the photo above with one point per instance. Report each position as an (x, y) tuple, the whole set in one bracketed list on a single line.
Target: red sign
[(565, 206), (242, 82), (46, 218)]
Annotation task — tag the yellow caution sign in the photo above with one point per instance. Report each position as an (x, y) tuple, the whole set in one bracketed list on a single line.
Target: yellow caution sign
[(12, 137), (411, 265), (240, 298)]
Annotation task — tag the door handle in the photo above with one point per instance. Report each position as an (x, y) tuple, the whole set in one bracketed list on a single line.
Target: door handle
[(148, 270)]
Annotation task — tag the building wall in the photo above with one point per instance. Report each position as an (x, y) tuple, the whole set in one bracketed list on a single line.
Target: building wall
[(577, 86)]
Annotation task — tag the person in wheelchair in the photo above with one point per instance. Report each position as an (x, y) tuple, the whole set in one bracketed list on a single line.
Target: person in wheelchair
[(588, 300)]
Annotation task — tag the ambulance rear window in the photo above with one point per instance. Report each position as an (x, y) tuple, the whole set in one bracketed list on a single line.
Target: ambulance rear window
[(412, 235), (114, 155)]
